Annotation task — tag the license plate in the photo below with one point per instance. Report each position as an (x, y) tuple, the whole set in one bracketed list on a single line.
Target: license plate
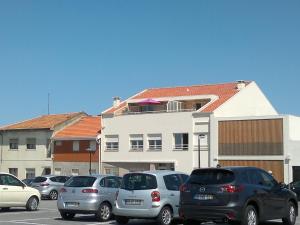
[(72, 204), (133, 202), (204, 197)]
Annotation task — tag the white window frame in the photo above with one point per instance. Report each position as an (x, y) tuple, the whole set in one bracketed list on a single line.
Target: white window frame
[(111, 142), (75, 146), (29, 171), (156, 138), (136, 138), (181, 146), (174, 106), (14, 146), (75, 172), (31, 143)]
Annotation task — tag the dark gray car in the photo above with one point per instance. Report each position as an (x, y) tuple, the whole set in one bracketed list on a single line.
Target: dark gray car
[(149, 195), (90, 194)]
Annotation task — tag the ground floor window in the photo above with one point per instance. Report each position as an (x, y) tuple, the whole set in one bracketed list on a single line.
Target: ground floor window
[(111, 170), (13, 171), (57, 171), (75, 172), (30, 172)]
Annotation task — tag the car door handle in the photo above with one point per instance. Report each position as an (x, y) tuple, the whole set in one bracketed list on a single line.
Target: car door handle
[(172, 195), (4, 188)]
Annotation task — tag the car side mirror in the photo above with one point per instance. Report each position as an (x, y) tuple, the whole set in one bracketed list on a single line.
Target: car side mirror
[(282, 185)]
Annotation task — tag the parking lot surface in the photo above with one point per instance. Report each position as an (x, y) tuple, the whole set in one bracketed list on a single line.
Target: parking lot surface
[(49, 215)]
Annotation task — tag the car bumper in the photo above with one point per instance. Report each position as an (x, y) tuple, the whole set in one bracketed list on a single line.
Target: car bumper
[(136, 213), (210, 213), (78, 206)]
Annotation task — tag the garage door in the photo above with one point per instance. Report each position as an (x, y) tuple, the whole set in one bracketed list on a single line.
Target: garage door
[(276, 166)]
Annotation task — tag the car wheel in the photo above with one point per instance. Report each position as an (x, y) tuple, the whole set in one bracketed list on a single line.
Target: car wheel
[(53, 195), (250, 216), (104, 213), (291, 217), (32, 204), (67, 216), (165, 216), (190, 222), (121, 219)]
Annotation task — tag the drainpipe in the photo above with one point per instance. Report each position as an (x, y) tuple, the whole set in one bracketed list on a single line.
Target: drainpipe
[(1, 146)]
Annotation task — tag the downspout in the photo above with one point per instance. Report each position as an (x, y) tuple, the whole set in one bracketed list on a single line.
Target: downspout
[(1, 146)]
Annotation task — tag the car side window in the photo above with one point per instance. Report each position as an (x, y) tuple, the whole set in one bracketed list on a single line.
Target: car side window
[(254, 177), (244, 178), (267, 179), (54, 179), (184, 177), (172, 182), (10, 181), (110, 182)]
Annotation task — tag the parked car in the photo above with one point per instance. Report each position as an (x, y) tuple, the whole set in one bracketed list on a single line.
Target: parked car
[(14, 193), (28, 181), (245, 195), (295, 187), (49, 185), (149, 195), (91, 194)]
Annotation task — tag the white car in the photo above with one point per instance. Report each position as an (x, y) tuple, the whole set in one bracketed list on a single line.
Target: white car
[(14, 193)]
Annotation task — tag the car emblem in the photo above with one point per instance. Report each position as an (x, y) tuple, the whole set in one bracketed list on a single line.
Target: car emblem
[(202, 189)]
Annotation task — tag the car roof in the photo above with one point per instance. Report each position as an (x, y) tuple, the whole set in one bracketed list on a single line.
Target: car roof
[(232, 168), (159, 172)]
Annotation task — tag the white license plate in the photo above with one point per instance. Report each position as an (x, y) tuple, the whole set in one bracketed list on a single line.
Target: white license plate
[(204, 197), (133, 202), (72, 204)]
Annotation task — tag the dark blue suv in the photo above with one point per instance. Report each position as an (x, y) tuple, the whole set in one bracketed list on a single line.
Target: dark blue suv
[(245, 195)]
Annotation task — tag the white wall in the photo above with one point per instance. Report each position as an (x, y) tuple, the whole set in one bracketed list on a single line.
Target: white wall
[(23, 158), (250, 101), (163, 123)]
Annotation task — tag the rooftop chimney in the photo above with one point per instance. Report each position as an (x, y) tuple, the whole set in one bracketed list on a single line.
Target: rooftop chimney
[(116, 101), (240, 84)]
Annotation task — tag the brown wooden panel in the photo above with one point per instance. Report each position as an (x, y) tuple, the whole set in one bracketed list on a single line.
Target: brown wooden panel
[(276, 166), (251, 137)]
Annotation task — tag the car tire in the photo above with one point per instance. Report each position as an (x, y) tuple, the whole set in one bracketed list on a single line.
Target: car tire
[(67, 215), (121, 220), (104, 213), (291, 217), (53, 195), (190, 222), (250, 216), (32, 204), (165, 216)]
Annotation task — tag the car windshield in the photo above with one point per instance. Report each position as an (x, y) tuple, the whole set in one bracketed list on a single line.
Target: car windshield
[(139, 181), (39, 179), (207, 177), (80, 181)]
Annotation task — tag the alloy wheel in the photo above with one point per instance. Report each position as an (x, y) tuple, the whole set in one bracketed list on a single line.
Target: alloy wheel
[(166, 216), (251, 217), (105, 212), (292, 213)]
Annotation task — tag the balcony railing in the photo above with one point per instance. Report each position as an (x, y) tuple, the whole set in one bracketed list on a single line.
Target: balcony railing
[(179, 147), (155, 147), (136, 148)]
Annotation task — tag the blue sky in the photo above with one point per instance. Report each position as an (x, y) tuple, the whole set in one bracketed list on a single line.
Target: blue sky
[(85, 52)]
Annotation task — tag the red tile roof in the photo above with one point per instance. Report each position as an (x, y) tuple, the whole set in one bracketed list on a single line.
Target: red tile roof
[(42, 122), (223, 91), (86, 127)]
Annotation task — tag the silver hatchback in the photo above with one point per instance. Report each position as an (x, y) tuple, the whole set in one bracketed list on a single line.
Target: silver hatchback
[(91, 194), (149, 195)]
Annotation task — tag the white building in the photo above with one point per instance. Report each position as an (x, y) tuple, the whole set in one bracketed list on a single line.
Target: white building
[(26, 148), (161, 128)]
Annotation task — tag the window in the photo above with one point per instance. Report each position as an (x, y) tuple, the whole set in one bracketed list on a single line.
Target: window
[(174, 106), (13, 143), (207, 177), (112, 170), (172, 182), (112, 142), (80, 181), (181, 141), (13, 171), (58, 143), (75, 146), (154, 142), (198, 106), (30, 172), (139, 181), (9, 180), (31, 143), (267, 179), (57, 171), (93, 145), (75, 172), (136, 142), (48, 154), (110, 182)]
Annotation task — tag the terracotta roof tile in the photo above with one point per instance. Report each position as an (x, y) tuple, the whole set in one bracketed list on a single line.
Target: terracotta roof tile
[(224, 92), (85, 127), (42, 122)]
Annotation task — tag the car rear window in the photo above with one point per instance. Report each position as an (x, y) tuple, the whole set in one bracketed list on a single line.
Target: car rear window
[(207, 177), (80, 181), (39, 179), (139, 181)]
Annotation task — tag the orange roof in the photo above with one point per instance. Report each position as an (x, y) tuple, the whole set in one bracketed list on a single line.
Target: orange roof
[(86, 127), (42, 122), (223, 91)]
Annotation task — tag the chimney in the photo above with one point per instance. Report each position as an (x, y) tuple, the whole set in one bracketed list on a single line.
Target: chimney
[(116, 101), (240, 84)]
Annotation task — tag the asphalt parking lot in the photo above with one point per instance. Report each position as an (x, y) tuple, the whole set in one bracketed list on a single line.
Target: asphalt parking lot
[(49, 215)]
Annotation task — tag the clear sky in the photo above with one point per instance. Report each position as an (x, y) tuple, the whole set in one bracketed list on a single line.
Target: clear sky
[(85, 52)]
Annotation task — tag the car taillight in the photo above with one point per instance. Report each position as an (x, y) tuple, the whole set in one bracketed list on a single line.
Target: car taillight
[(90, 190), (184, 188), (155, 195), (44, 184), (232, 188), (62, 190)]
